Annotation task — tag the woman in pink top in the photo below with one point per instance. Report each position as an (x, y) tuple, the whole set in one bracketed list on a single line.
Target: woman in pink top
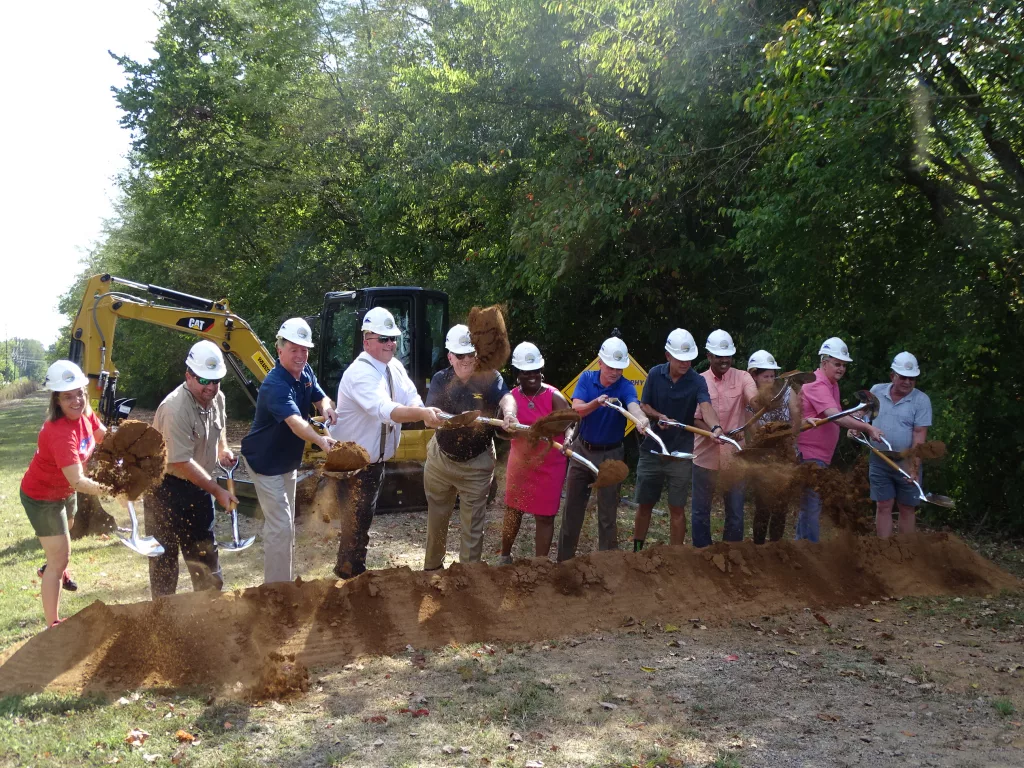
[(535, 475)]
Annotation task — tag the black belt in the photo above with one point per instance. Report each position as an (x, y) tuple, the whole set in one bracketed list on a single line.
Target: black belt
[(596, 447)]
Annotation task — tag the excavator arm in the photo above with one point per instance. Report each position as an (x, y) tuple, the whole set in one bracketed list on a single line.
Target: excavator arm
[(92, 338)]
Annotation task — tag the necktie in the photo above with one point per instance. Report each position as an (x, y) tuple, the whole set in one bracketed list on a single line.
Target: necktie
[(386, 428)]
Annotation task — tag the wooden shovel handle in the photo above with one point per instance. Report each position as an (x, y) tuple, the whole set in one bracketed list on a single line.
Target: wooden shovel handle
[(888, 461)]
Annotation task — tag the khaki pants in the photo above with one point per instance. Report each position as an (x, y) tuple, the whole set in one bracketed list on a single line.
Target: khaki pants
[(277, 500), (443, 478)]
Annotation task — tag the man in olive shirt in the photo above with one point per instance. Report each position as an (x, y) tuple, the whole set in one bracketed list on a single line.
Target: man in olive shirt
[(461, 461), (179, 512)]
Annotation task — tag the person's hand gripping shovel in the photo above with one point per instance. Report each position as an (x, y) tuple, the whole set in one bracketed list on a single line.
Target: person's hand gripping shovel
[(235, 545), (616, 405), (147, 546), (930, 498)]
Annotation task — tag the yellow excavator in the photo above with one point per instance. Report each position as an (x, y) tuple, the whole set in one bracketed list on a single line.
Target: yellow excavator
[(422, 314)]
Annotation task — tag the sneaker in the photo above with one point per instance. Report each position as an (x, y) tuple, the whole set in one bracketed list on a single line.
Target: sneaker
[(66, 581), (505, 560)]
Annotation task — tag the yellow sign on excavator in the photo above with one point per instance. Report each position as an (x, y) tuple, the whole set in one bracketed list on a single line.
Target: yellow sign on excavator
[(633, 372)]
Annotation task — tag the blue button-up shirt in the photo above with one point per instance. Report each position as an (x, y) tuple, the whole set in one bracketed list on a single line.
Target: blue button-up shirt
[(271, 448)]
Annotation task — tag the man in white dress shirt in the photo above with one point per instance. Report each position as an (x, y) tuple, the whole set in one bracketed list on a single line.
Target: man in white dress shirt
[(375, 397)]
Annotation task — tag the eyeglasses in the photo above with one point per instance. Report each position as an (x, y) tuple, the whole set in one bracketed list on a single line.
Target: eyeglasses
[(387, 339), (464, 355)]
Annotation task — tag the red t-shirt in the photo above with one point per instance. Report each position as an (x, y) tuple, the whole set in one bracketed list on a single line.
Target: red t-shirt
[(61, 443)]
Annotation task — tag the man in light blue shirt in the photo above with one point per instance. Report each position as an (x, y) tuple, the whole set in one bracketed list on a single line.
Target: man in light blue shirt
[(904, 415)]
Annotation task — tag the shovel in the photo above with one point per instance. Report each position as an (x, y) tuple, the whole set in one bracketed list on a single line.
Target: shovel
[(780, 385), (235, 545), (698, 431), (866, 403), (144, 545), (616, 405), (930, 498)]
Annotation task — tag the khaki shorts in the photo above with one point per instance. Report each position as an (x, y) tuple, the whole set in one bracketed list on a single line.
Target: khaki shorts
[(50, 518)]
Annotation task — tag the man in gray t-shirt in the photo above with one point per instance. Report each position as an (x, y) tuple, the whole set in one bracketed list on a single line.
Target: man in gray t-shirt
[(904, 415)]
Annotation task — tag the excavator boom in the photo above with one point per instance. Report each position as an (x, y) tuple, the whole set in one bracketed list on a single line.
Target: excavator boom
[(102, 306)]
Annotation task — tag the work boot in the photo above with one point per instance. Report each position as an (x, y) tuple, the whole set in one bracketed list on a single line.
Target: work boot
[(505, 560), (638, 544)]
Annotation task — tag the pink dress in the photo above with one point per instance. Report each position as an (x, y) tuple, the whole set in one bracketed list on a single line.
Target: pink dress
[(534, 477)]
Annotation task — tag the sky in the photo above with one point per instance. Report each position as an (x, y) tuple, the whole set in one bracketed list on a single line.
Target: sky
[(62, 145)]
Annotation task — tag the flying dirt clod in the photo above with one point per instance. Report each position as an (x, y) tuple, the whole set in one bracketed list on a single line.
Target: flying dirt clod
[(489, 337), (346, 457), (131, 460)]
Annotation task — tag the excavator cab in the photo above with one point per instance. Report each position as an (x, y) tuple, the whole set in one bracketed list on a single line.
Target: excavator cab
[(422, 315)]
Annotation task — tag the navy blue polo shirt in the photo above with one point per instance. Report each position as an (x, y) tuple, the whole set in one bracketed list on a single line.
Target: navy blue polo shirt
[(676, 399), (481, 393), (604, 426), (271, 448)]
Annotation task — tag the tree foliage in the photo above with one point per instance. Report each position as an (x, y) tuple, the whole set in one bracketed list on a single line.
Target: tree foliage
[(785, 171)]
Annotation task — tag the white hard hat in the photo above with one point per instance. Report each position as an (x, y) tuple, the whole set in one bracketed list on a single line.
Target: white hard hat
[(379, 320), (206, 360), (614, 353), (458, 340), (836, 347), (681, 345), (526, 357), (905, 364), (297, 331), (63, 376), (763, 361), (720, 343)]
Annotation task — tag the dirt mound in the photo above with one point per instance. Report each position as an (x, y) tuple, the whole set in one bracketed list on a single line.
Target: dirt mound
[(267, 636), (610, 472), (131, 460), (462, 420), (346, 457), (487, 331)]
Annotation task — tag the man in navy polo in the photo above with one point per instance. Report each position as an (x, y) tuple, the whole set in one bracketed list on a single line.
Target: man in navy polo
[(674, 391), (273, 448), (600, 435)]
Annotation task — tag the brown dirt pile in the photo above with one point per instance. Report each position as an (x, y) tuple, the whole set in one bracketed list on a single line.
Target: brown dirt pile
[(929, 451), (346, 457), (553, 425), (262, 631), (610, 472), (131, 460), (487, 331)]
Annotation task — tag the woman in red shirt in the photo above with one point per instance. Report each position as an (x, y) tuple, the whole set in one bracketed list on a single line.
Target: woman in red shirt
[(55, 475)]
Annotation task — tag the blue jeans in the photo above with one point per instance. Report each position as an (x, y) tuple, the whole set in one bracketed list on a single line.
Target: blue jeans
[(807, 523), (704, 481)]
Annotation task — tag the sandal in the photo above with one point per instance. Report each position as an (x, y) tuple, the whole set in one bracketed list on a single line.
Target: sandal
[(66, 581), (55, 623)]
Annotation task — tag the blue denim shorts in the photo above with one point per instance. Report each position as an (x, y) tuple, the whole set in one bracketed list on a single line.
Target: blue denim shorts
[(888, 484)]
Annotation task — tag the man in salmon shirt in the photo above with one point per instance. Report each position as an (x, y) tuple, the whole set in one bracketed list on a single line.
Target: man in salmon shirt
[(731, 390), (819, 400)]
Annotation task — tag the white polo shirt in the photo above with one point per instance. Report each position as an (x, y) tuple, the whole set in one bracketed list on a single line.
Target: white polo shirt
[(364, 404)]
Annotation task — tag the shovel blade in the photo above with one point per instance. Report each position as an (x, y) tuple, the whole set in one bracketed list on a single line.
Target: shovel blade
[(232, 546), (147, 546), (940, 501)]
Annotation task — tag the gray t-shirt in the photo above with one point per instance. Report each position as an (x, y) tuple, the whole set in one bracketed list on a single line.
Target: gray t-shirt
[(897, 420)]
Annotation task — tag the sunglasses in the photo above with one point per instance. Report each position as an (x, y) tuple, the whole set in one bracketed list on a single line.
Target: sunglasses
[(463, 355), (387, 339), (206, 382)]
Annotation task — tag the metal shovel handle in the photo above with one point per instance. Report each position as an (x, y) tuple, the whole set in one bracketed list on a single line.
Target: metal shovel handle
[(764, 409), (699, 431)]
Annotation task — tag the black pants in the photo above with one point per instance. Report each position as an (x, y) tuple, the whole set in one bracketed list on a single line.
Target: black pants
[(769, 515), (356, 521), (180, 515)]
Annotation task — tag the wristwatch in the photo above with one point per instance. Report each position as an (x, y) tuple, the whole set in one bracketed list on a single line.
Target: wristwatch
[(717, 426)]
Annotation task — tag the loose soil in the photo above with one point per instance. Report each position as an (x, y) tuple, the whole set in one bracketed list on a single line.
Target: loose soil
[(487, 330), (131, 460), (553, 424), (610, 472), (929, 451), (346, 457), (325, 623)]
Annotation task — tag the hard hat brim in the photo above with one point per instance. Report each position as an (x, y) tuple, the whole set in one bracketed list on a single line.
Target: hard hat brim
[(910, 375), (461, 350), (534, 366), (722, 352), (620, 365), (682, 356), (297, 342), (67, 386), (217, 373)]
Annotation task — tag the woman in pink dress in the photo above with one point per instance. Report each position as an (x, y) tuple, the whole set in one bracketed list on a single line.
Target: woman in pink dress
[(535, 475)]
